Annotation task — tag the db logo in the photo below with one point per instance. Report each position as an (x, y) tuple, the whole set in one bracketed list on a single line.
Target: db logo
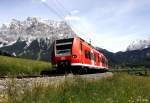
[(63, 58)]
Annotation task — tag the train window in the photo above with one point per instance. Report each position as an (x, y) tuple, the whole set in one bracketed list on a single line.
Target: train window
[(87, 54), (103, 60), (98, 59), (63, 47), (64, 40), (106, 62), (66, 51), (92, 56)]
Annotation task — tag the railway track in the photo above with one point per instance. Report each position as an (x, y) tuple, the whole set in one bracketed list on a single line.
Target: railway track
[(87, 75), (55, 73)]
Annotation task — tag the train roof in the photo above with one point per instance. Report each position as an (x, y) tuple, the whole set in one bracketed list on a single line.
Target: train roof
[(88, 44)]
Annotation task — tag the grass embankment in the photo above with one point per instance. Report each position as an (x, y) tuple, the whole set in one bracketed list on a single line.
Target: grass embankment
[(121, 88), (17, 66)]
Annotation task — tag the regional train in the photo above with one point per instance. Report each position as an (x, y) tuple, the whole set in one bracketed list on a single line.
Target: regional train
[(76, 54)]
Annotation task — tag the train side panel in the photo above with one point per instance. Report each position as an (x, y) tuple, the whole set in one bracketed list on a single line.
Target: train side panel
[(76, 52)]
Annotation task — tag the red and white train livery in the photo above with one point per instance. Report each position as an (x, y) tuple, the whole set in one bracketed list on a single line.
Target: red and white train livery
[(75, 52)]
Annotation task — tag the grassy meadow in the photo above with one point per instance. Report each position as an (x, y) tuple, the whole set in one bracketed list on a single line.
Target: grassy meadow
[(17, 66), (121, 88)]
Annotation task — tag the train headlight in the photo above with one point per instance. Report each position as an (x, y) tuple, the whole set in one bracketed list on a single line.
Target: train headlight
[(74, 56)]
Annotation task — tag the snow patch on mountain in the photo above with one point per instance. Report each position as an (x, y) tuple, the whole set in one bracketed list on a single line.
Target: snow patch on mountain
[(1, 45), (32, 38), (34, 28), (139, 45), (11, 43)]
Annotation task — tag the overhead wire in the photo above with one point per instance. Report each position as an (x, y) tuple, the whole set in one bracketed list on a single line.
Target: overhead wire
[(59, 3), (59, 12), (64, 10), (51, 9), (69, 21)]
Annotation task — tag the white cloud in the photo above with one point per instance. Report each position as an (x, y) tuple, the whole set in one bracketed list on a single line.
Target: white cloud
[(84, 28), (72, 18), (112, 27), (43, 0), (38, 1), (75, 12)]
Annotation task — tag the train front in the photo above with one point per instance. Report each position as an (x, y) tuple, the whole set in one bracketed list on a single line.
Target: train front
[(62, 54)]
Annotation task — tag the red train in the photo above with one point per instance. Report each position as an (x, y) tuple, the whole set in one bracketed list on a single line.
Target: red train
[(76, 53)]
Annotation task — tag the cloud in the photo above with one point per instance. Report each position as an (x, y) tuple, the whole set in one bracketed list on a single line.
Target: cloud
[(83, 28), (72, 18), (115, 25), (43, 0), (75, 12)]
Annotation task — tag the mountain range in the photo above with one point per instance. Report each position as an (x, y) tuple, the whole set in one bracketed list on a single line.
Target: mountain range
[(33, 38), (132, 58), (139, 45)]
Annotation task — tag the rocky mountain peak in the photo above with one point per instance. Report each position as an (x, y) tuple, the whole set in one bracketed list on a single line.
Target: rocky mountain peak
[(139, 45), (34, 27), (32, 37)]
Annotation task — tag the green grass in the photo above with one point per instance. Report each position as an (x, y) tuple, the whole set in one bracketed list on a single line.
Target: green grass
[(121, 88), (17, 66)]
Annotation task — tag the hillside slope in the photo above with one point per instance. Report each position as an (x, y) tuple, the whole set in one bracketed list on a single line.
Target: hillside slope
[(17, 66), (132, 58)]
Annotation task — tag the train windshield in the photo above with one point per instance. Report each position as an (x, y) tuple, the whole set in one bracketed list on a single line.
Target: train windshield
[(64, 47)]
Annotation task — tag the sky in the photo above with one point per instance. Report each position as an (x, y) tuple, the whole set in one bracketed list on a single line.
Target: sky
[(109, 24)]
